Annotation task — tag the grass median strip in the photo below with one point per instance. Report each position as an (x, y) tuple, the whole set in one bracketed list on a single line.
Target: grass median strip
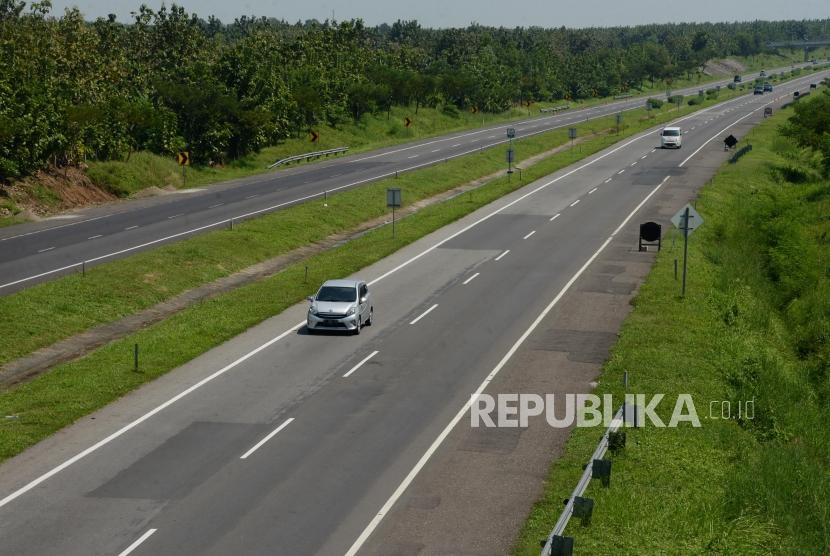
[(750, 345), (71, 390), (49, 312)]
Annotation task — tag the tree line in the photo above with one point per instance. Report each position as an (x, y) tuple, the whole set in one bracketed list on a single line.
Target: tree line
[(72, 90)]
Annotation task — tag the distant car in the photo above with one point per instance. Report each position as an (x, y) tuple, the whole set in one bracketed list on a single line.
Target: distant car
[(796, 94), (763, 73), (671, 138), (737, 79), (767, 87), (759, 90), (344, 305), (768, 111), (812, 85)]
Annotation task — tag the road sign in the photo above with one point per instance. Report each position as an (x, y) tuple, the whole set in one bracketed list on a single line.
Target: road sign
[(571, 133), (314, 136), (393, 201), (407, 121), (511, 132), (679, 219), (183, 158), (393, 197), (730, 141)]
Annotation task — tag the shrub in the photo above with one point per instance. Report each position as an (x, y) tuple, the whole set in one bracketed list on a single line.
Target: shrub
[(655, 103)]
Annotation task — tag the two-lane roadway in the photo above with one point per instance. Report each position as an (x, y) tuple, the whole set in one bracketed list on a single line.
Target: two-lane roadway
[(34, 252)]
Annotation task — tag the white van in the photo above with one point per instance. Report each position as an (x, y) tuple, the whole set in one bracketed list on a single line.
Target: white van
[(671, 138)]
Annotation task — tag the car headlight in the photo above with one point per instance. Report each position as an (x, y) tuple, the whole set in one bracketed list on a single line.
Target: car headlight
[(350, 311), (311, 311)]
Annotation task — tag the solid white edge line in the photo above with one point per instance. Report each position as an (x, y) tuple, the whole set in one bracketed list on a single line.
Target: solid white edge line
[(505, 252), (144, 417), (362, 361), (721, 131), (271, 435), (470, 279), (575, 203), (54, 471), (140, 540), (425, 313), (458, 416), (530, 234), (374, 178)]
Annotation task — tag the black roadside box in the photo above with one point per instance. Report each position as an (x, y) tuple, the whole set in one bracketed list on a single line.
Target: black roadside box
[(650, 235)]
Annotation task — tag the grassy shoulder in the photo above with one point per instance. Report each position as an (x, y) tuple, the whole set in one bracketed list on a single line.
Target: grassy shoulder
[(373, 131), (48, 311), (755, 326)]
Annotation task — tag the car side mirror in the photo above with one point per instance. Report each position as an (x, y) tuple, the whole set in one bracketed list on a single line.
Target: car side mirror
[(310, 298)]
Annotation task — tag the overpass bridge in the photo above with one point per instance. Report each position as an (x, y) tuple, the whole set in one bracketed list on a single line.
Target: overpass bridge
[(807, 45)]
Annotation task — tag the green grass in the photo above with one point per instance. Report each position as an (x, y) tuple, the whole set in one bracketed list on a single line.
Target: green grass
[(12, 210), (755, 325), (48, 312), (55, 309), (374, 131)]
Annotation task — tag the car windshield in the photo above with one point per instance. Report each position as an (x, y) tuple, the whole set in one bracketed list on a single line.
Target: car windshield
[(671, 132), (337, 293)]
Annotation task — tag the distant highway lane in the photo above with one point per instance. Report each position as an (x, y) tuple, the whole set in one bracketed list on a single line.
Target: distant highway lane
[(280, 442), (35, 252)]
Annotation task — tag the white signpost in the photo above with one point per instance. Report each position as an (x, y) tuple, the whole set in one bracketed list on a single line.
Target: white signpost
[(686, 220)]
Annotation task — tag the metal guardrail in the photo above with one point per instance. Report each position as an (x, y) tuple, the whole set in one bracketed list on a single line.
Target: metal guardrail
[(306, 156), (739, 153), (555, 108), (626, 95), (555, 537)]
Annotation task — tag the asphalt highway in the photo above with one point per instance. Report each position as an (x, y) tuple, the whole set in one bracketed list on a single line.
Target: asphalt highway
[(280, 442), (35, 252)]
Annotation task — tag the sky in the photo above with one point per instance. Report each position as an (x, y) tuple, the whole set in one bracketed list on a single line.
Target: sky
[(460, 13)]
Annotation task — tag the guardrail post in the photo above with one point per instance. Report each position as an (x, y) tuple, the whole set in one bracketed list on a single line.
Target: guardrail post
[(584, 509), (601, 469), (135, 358), (616, 441), (561, 546)]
